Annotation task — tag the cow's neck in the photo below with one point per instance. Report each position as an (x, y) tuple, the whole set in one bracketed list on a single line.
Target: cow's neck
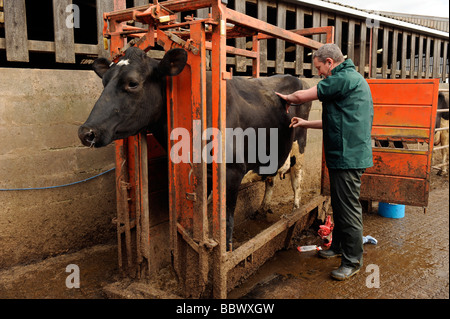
[(159, 129)]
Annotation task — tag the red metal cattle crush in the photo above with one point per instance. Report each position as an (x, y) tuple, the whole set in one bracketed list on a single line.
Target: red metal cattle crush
[(194, 239)]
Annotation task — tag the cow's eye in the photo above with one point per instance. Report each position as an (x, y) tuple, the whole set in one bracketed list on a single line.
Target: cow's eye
[(133, 85)]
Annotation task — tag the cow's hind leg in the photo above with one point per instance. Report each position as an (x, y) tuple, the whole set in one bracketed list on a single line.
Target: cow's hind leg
[(444, 141), (297, 174), (264, 208)]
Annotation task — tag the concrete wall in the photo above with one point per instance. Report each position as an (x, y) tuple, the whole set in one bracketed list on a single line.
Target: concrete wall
[(40, 111)]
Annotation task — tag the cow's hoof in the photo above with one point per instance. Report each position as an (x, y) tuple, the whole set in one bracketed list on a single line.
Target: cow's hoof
[(260, 214)]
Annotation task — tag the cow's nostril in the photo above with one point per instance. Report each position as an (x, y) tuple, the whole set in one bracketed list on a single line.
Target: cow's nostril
[(90, 138), (87, 136)]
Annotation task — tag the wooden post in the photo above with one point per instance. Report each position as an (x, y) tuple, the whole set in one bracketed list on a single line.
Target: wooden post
[(385, 52), (262, 15), (362, 48), (299, 50), (63, 29), (412, 56), (241, 61), (280, 44), (444, 65), (427, 58), (373, 71), (403, 59), (394, 54), (316, 23), (420, 55), (102, 6), (16, 31)]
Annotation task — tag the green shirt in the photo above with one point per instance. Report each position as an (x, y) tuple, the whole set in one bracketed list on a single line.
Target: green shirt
[(346, 118)]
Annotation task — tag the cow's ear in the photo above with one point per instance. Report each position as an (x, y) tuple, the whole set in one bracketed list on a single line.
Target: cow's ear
[(173, 62), (100, 66)]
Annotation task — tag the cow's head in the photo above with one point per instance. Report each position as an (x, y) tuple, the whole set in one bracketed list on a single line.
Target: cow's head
[(132, 98)]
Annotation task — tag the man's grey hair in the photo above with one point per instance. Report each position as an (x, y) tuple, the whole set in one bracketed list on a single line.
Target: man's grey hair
[(329, 50)]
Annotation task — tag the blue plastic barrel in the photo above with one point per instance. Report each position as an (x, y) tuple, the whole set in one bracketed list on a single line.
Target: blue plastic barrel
[(391, 210)]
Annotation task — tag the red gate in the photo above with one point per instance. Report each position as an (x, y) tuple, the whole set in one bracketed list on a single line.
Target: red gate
[(404, 116)]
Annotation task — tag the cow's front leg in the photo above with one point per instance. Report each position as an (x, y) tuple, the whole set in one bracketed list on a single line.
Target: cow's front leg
[(234, 178)]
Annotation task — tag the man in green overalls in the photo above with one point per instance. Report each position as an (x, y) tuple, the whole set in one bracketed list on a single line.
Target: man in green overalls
[(347, 114)]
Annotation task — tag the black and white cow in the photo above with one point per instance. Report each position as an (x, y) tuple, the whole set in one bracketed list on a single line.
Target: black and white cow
[(441, 137), (134, 99)]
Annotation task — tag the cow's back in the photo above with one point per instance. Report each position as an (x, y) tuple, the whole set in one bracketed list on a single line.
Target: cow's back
[(252, 103)]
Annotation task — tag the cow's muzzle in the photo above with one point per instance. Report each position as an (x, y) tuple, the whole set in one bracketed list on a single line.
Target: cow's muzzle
[(88, 136)]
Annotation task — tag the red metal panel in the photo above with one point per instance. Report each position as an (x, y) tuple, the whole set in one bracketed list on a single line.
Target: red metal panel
[(398, 116), (402, 92), (404, 110), (398, 163)]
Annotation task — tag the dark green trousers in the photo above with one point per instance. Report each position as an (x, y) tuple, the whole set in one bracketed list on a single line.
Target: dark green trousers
[(345, 186)]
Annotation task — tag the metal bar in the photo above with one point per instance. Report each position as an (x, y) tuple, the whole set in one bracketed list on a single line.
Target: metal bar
[(171, 101), (267, 235), (440, 148), (235, 51), (187, 238), (121, 172), (172, 5), (329, 31), (143, 199), (218, 64), (438, 166), (267, 28), (441, 129), (256, 61), (200, 209)]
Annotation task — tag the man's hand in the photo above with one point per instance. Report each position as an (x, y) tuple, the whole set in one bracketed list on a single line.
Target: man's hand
[(297, 121), (284, 97)]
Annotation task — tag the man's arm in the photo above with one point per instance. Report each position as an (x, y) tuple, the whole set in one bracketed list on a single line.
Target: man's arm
[(300, 96), (299, 122)]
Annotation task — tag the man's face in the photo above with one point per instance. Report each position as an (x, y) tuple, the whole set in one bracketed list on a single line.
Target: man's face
[(324, 68)]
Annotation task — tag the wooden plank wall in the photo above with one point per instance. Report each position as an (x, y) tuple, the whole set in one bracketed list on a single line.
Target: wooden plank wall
[(16, 31), (395, 53)]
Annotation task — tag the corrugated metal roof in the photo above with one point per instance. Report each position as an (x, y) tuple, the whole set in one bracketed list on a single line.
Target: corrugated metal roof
[(331, 6), (437, 23)]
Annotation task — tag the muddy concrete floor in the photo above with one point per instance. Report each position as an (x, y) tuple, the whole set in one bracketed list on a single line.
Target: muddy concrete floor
[(412, 258)]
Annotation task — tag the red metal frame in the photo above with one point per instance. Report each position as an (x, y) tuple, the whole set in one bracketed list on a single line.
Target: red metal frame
[(197, 248), (404, 111)]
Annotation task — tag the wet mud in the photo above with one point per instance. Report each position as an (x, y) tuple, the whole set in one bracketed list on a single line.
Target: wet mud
[(410, 260)]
